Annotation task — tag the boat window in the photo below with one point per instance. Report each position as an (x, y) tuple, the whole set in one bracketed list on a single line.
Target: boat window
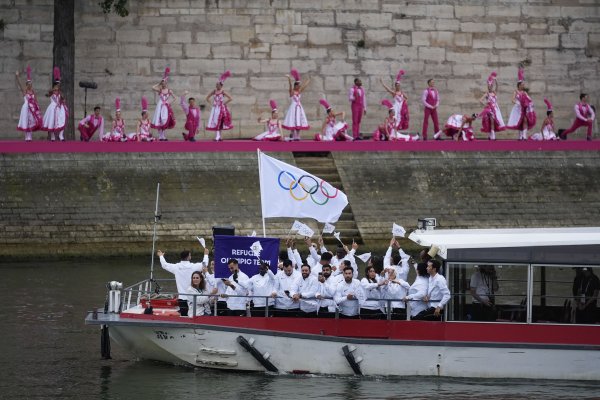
[(564, 294), (499, 292)]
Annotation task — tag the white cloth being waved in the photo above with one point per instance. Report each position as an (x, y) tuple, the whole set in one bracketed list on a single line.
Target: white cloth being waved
[(308, 289), (395, 290), (437, 291), (401, 269), (286, 283), (262, 285), (343, 289), (241, 289), (183, 273), (338, 263), (327, 289), (372, 291), (202, 302), (416, 293)]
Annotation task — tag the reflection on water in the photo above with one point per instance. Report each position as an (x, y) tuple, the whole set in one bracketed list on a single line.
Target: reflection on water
[(47, 352)]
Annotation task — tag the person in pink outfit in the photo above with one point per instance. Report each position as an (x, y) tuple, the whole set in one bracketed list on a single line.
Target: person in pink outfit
[(57, 113), (273, 132), (163, 118), (220, 117), (459, 127), (400, 102), (30, 118), (358, 105), (192, 121), (584, 117), (547, 132), (117, 133), (522, 116), (388, 129), (332, 129), (295, 117), (491, 117), (430, 100), (142, 133), (90, 124)]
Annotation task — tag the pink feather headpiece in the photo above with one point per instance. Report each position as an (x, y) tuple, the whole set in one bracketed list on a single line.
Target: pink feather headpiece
[(325, 104), (399, 75), (295, 74), (521, 75), (387, 103), (548, 104), (144, 104), (273, 105), (492, 78), (224, 76), (117, 104), (166, 74), (28, 73), (56, 74)]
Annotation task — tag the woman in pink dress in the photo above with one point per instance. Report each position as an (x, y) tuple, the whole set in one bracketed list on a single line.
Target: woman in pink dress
[(117, 133), (459, 127), (55, 117), (400, 102), (547, 132), (491, 117), (388, 130), (220, 117), (163, 118), (30, 118), (142, 133), (295, 117), (333, 129), (273, 132), (522, 116)]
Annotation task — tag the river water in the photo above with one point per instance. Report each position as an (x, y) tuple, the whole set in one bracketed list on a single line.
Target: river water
[(48, 353)]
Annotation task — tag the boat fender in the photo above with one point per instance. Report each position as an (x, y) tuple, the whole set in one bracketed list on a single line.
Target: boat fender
[(104, 342), (351, 360), (262, 359)]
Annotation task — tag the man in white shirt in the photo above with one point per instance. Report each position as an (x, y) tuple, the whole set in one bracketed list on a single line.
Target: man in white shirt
[(237, 285), (304, 291), (344, 254), (438, 293), (262, 284), (349, 295), (183, 275), (398, 262), (483, 286), (327, 285), (284, 304), (418, 291)]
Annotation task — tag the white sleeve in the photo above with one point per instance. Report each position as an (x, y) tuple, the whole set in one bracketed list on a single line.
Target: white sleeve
[(387, 259), (297, 257), (172, 268)]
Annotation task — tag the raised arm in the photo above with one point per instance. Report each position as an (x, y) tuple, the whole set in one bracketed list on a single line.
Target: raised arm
[(304, 85), (185, 107), (18, 79), (387, 88), (156, 87), (291, 85)]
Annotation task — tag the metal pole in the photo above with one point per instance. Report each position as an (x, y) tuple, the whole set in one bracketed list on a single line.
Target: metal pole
[(261, 214), (156, 218)]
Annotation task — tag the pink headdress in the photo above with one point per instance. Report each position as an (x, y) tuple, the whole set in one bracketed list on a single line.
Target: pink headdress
[(492, 78), (166, 74), (117, 104), (144, 104), (28, 73), (387, 103), (399, 75), (56, 74), (273, 105), (224, 76), (521, 75), (325, 104), (295, 74), (548, 104)]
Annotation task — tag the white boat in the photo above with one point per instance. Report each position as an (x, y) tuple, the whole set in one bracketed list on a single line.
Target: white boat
[(522, 342)]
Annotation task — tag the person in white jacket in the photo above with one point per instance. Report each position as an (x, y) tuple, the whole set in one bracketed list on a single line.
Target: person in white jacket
[(284, 304), (262, 284), (418, 291), (327, 286), (397, 262), (304, 291), (397, 290), (438, 293), (349, 295), (372, 286), (237, 285), (198, 294)]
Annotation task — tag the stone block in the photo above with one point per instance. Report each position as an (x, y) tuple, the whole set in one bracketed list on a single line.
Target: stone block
[(485, 27), (540, 11), (574, 40), (131, 50), (268, 29), (468, 11), (284, 51), (9, 48), (582, 26), (375, 20), (385, 36), (435, 39), (298, 38), (440, 11), (282, 67), (403, 39), (432, 54), (213, 36), (480, 57), (287, 17), (129, 35), (196, 50), (243, 66), (580, 12), (259, 47), (503, 11), (445, 24), (179, 37), (278, 38), (402, 24), (86, 33), (324, 36), (226, 51), (513, 27), (351, 4), (483, 43), (21, 32), (540, 41), (171, 50), (200, 67), (260, 83), (242, 35), (324, 18), (339, 67), (347, 18), (503, 42)]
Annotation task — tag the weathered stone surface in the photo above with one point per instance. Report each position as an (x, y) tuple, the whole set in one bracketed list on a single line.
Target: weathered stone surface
[(324, 36)]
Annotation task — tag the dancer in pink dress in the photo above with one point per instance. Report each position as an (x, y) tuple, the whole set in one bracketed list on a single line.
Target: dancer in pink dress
[(547, 132), (459, 127), (117, 133), (295, 117), (431, 101), (192, 121), (55, 117), (584, 117), (358, 104), (388, 130), (90, 124), (522, 116), (220, 117), (491, 117), (400, 102), (142, 133), (273, 132), (30, 118), (332, 129), (163, 118)]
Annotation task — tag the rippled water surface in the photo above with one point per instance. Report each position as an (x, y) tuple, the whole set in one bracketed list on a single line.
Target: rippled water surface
[(48, 352)]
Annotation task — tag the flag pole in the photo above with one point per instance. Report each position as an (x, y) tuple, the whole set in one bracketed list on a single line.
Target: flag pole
[(261, 213)]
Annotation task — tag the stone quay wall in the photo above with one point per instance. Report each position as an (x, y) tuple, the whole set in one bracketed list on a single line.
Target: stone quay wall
[(102, 204), (456, 42)]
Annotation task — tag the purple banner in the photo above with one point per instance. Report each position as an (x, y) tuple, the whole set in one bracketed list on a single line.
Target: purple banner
[(240, 248)]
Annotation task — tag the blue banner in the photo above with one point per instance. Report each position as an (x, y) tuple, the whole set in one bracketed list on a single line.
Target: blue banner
[(240, 248)]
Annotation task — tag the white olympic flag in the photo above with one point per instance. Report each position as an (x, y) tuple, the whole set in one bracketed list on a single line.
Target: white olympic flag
[(287, 191)]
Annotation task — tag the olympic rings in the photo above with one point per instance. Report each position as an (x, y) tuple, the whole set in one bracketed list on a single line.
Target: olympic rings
[(311, 191)]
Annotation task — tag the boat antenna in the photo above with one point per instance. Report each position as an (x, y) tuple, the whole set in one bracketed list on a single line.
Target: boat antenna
[(156, 219)]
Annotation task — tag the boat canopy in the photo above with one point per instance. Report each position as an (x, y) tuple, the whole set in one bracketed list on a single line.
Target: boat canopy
[(524, 245)]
